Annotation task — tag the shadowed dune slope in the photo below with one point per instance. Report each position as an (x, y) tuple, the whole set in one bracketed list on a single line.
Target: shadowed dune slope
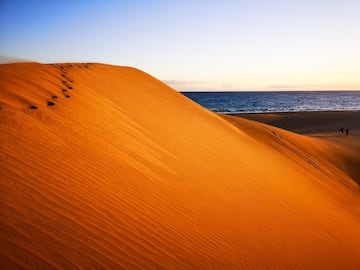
[(344, 151), (122, 172)]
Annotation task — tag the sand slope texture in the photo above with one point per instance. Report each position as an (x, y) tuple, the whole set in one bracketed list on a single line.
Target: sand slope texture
[(105, 167)]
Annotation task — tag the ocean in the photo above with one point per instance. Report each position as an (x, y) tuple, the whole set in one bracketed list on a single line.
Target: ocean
[(284, 101)]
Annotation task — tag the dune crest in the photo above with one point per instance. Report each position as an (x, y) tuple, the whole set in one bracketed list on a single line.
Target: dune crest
[(121, 171)]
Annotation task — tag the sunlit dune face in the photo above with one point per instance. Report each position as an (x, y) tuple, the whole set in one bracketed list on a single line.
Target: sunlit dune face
[(121, 171)]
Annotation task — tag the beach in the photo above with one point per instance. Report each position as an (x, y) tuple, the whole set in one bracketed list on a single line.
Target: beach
[(107, 167), (322, 125), (317, 123)]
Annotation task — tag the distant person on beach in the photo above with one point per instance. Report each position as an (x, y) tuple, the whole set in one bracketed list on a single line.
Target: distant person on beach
[(347, 132), (341, 131)]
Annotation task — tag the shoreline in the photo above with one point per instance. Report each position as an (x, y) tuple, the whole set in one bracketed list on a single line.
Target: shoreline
[(324, 125), (280, 112), (308, 122), (267, 91)]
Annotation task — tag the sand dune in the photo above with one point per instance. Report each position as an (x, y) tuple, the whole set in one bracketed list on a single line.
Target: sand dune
[(319, 123), (345, 150), (122, 172)]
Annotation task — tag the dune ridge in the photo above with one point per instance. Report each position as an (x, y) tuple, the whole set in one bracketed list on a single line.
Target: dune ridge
[(126, 173)]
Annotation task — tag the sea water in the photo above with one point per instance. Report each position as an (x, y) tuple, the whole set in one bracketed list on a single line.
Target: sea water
[(284, 101)]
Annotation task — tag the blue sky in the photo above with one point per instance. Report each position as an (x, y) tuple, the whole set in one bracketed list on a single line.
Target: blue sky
[(196, 45)]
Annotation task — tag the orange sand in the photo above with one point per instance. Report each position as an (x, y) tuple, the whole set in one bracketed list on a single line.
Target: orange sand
[(128, 173), (344, 150)]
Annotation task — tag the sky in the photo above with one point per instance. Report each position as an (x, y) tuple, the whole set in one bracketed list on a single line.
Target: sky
[(196, 45)]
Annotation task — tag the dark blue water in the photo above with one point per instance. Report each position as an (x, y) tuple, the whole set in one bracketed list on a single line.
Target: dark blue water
[(240, 102)]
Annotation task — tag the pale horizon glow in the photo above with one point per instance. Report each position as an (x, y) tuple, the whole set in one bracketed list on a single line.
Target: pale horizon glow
[(196, 45)]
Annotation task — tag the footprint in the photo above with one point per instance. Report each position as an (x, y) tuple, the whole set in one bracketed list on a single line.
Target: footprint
[(70, 87), (33, 107), (50, 103), (67, 96), (54, 97)]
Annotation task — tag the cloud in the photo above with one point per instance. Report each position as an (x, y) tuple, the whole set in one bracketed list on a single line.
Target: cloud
[(182, 83), (338, 86), (7, 59), (285, 86), (189, 85), (225, 86)]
